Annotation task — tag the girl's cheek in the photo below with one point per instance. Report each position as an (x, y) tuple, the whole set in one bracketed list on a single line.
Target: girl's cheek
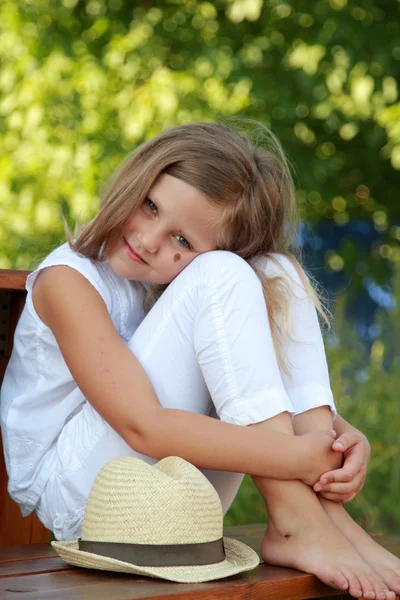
[(177, 257), (128, 226)]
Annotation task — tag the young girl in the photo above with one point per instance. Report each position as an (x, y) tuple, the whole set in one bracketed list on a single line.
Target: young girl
[(202, 214)]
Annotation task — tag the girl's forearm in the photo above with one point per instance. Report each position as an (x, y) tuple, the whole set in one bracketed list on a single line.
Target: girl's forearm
[(212, 444), (340, 425)]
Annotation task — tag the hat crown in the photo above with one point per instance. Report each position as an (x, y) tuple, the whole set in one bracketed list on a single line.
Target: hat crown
[(170, 502)]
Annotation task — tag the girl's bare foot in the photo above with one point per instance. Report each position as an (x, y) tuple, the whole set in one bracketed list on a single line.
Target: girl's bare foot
[(386, 564), (326, 554), (302, 536)]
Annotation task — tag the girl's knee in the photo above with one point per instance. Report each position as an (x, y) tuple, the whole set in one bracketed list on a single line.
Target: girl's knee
[(219, 265)]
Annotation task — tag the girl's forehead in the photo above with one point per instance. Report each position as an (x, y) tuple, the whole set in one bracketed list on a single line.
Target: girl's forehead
[(166, 187)]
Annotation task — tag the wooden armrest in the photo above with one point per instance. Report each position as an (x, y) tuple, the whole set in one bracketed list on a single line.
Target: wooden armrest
[(12, 280)]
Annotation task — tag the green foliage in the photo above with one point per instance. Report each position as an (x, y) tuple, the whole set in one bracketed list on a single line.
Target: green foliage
[(85, 81), (366, 395)]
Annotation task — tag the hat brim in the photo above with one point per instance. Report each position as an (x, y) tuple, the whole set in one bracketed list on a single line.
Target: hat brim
[(238, 558)]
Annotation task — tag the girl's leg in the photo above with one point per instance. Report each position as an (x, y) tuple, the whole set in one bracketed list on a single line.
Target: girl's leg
[(308, 387), (380, 560), (301, 535)]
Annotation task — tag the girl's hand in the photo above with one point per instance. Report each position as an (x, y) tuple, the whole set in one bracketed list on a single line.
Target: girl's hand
[(343, 484), (320, 455)]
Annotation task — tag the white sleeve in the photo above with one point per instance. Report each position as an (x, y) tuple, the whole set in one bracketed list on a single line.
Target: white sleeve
[(307, 384)]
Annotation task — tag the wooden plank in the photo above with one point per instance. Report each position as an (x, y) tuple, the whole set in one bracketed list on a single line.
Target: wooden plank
[(263, 583), (38, 532), (13, 280), (26, 552), (34, 566), (49, 577)]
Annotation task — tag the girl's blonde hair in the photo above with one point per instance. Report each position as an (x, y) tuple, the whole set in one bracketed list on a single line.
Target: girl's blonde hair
[(251, 182)]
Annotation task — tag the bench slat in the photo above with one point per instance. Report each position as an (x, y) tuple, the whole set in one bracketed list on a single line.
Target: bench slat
[(27, 567), (264, 583), (26, 552), (22, 570), (13, 280)]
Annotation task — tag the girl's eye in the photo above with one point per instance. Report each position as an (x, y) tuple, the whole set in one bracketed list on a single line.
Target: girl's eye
[(151, 206), (183, 241)]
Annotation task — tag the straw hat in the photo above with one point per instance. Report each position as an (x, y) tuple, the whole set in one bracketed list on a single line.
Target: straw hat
[(162, 520)]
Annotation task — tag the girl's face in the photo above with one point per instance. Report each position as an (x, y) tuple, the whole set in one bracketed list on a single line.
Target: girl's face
[(173, 226)]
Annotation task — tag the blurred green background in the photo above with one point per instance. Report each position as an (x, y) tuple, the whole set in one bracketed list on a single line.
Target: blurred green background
[(84, 82)]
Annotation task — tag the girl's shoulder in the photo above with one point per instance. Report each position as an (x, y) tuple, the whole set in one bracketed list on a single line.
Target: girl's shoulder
[(64, 255), (122, 298)]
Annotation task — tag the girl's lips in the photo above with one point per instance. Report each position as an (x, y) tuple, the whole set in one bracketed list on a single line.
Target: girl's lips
[(133, 255)]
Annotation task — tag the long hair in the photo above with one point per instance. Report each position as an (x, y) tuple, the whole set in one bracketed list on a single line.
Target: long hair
[(251, 182)]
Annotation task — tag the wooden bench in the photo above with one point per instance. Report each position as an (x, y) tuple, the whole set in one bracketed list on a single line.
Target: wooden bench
[(35, 572), (14, 529)]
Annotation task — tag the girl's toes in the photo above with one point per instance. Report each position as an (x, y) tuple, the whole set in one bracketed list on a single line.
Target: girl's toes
[(355, 588), (380, 588), (392, 583), (338, 580)]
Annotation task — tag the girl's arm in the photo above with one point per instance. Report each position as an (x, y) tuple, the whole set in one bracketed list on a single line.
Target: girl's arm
[(342, 426), (115, 383)]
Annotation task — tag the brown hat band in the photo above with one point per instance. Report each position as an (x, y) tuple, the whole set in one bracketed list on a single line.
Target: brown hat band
[(153, 555)]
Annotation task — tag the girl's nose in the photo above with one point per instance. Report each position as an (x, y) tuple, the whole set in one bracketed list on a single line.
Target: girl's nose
[(150, 240)]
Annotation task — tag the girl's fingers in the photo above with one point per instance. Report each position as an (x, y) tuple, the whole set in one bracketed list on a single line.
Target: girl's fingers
[(338, 498), (346, 473), (346, 441), (342, 489), (326, 478)]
